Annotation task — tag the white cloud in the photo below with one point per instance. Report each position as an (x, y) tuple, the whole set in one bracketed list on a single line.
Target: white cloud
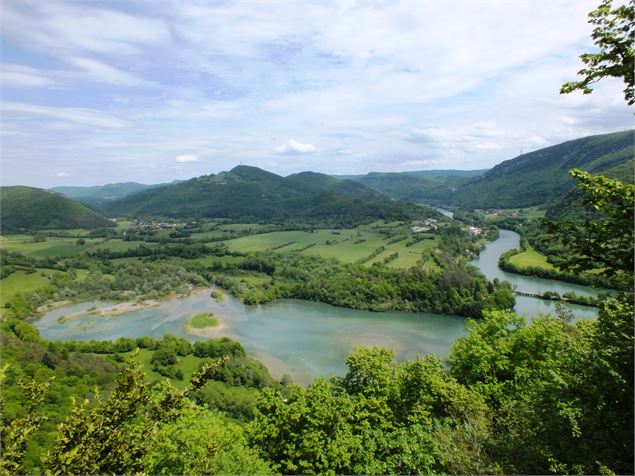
[(16, 75), (487, 146), (61, 174), (293, 147), (183, 159), (105, 73), (61, 26), (77, 115), (378, 85)]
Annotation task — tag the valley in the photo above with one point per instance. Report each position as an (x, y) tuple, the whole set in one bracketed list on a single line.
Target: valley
[(289, 336), (317, 238), (246, 288)]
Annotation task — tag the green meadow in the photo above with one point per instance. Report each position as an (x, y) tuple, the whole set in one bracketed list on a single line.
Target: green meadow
[(347, 245), (21, 281), (64, 247), (531, 259), (51, 247)]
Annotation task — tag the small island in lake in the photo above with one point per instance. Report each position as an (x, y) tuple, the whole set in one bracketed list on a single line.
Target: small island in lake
[(203, 325)]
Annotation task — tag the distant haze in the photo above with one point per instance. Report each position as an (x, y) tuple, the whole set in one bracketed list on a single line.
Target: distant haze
[(151, 92)]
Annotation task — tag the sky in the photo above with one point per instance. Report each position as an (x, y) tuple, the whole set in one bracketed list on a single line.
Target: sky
[(96, 92)]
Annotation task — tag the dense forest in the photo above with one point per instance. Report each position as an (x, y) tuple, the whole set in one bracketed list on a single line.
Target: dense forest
[(419, 187), (29, 208), (249, 194), (541, 178)]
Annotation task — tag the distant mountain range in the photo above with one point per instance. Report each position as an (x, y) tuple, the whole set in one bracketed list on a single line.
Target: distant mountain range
[(541, 178), (252, 194), (425, 186), (98, 194), (538, 178), (28, 208)]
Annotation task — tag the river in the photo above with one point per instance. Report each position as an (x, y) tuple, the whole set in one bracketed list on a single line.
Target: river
[(301, 338), (487, 262)]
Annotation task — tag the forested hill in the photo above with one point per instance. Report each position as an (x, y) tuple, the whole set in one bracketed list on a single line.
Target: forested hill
[(252, 194), (541, 178), (332, 184), (418, 186), (28, 208)]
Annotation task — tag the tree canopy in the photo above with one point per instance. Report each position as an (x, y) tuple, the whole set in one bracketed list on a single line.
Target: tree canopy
[(604, 240), (613, 34)]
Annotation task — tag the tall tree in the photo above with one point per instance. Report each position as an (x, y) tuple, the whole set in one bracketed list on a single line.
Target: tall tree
[(614, 34), (603, 242)]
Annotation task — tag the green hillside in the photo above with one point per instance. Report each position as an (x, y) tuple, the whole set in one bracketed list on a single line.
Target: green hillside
[(541, 178), (28, 208), (419, 186), (251, 194), (331, 184)]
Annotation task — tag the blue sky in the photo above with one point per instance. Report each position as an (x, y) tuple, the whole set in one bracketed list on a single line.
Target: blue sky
[(96, 92)]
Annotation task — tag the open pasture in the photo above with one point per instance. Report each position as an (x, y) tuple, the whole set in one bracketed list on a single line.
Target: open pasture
[(347, 245), (21, 281), (531, 259), (64, 247), (51, 247)]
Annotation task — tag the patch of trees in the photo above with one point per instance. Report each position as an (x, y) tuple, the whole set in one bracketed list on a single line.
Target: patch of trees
[(150, 280), (282, 245), (161, 252), (457, 288), (391, 257), (372, 255)]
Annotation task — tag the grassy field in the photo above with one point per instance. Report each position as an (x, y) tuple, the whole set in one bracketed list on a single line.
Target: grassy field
[(531, 258), (21, 281), (120, 245), (347, 245), (74, 232), (65, 247), (213, 232), (51, 247), (529, 212)]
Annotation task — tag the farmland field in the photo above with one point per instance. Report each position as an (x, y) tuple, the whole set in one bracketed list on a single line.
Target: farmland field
[(51, 247), (348, 245), (64, 247), (531, 258)]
